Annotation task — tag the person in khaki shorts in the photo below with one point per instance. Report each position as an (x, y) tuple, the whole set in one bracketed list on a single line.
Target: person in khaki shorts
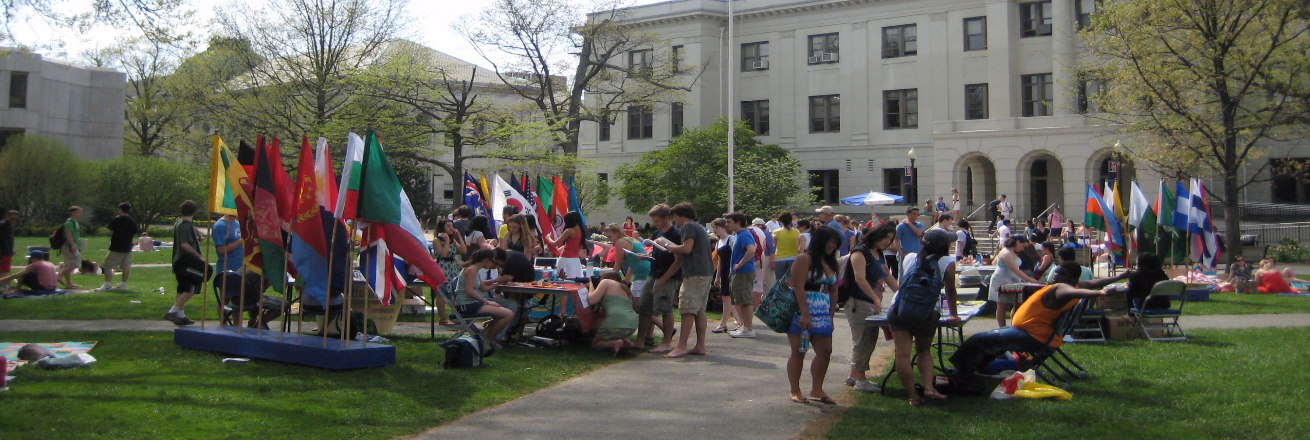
[(743, 273), (124, 231), (697, 276), (72, 254), (656, 302)]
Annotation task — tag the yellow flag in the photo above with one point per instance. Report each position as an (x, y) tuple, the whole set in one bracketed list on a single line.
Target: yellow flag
[(222, 199)]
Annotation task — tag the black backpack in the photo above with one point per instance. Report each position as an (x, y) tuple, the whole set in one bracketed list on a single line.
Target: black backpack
[(921, 291), (970, 244), (57, 239)]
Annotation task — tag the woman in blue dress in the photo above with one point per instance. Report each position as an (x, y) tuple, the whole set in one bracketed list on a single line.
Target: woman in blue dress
[(814, 281)]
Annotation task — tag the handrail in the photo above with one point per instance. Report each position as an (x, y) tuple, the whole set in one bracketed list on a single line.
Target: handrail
[(1048, 209), (975, 212)]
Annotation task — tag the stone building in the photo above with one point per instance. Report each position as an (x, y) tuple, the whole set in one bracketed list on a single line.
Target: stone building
[(981, 90), (83, 107)]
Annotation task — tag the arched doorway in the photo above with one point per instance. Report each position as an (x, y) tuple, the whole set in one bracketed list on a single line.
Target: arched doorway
[(1107, 163), (975, 178), (1043, 182)]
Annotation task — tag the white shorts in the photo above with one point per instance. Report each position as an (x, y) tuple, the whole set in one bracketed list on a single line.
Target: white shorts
[(637, 287)]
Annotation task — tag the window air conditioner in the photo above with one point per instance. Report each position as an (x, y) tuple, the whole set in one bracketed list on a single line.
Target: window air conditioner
[(830, 57), (815, 60), (1044, 29), (760, 65)]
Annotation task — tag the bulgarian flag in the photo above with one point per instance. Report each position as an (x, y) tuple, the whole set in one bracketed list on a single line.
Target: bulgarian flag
[(348, 195), (222, 195), (1095, 217), (383, 202)]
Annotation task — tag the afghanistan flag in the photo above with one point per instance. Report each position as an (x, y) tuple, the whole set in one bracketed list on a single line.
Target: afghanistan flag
[(268, 222), (252, 260), (383, 201)]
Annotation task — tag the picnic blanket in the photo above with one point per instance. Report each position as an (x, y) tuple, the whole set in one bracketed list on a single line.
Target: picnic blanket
[(9, 350), (24, 293)]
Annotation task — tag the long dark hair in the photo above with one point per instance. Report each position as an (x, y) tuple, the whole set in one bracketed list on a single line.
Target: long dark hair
[(573, 219), (482, 224), (479, 256), (785, 219), (819, 239), (872, 235)]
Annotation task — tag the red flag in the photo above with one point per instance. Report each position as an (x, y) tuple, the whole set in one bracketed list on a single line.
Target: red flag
[(267, 223), (282, 189), (308, 224)]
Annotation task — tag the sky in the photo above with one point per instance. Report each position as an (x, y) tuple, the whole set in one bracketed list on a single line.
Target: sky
[(432, 28)]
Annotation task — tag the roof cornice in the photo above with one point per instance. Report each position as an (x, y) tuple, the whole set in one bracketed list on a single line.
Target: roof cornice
[(799, 7)]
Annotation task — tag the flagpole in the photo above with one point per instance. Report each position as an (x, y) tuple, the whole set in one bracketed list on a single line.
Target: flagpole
[(327, 296), (285, 316), (367, 299), (350, 291), (203, 303)]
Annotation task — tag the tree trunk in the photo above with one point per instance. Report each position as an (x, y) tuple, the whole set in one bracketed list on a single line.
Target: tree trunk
[(1232, 215)]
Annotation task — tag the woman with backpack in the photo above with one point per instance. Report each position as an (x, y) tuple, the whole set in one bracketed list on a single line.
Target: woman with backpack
[(814, 283), (915, 311), (864, 279), (965, 244)]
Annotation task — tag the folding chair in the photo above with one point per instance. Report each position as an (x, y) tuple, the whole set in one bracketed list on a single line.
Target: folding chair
[(1042, 361), (1168, 328), (463, 323), (255, 302), (1088, 328)]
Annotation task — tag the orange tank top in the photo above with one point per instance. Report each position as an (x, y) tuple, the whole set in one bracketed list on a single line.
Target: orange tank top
[(1037, 320)]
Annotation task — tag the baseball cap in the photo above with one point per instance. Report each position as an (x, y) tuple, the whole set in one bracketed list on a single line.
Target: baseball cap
[(758, 221), (938, 237), (824, 210), (36, 254)]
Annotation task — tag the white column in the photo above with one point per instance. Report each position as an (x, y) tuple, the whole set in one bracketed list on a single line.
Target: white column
[(1063, 34), (1002, 36)]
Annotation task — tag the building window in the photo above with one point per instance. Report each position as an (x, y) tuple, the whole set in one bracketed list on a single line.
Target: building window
[(18, 90), (604, 124), (901, 108), (1085, 9), (677, 119), (641, 122), (825, 114), (755, 56), (896, 181), (638, 62), (6, 134), (1037, 176), (900, 41), (975, 33), (756, 115), (824, 184), (823, 48), (677, 58), (1089, 90), (1037, 92), (1035, 19), (975, 101)]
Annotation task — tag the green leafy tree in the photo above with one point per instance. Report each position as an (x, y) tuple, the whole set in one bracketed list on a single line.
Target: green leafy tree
[(694, 168), (1202, 87), (41, 177), (155, 187)]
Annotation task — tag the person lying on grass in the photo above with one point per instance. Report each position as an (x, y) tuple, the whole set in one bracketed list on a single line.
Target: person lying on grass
[(1033, 325), (620, 318)]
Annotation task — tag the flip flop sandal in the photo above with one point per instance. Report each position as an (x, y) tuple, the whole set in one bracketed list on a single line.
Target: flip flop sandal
[(799, 399), (827, 400), (720, 330)]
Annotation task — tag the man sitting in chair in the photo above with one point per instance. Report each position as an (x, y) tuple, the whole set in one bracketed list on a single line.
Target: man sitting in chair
[(1033, 325), (270, 307)]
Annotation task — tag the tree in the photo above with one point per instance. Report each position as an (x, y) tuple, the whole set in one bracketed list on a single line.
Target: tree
[(1196, 84), (41, 178), (158, 116), (155, 187), (694, 168), (535, 43)]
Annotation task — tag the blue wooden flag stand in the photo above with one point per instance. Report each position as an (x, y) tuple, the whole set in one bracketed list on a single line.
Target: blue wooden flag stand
[(293, 348)]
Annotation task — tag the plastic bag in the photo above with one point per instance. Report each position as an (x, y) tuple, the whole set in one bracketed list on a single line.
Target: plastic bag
[(1034, 390), (1011, 384)]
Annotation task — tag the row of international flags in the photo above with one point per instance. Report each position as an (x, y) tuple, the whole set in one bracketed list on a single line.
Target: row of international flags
[(300, 227), (1163, 225), (548, 202)]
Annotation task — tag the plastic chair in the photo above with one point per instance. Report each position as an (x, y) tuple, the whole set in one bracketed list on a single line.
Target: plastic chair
[(1168, 328)]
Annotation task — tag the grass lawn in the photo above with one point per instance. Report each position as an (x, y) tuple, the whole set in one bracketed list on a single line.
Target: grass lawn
[(1243, 304), (143, 386), (108, 305), (1220, 384), (99, 248)]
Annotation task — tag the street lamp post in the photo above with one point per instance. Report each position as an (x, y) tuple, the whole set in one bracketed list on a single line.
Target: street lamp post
[(910, 189)]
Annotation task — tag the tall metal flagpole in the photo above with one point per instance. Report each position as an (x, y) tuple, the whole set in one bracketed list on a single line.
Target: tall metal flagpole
[(732, 126)]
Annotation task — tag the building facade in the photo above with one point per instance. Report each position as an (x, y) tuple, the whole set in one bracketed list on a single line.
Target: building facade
[(981, 90), (83, 107)]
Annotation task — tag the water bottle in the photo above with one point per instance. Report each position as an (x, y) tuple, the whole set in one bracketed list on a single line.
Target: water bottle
[(946, 307), (805, 341)]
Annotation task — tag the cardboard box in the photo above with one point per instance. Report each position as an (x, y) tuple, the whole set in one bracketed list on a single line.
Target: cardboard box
[(1118, 328), (383, 316), (1156, 323), (1117, 300)]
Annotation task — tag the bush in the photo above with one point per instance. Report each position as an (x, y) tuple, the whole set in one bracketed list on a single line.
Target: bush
[(41, 178), (1289, 251), (155, 187)]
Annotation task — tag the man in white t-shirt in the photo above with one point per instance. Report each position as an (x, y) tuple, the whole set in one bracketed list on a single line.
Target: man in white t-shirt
[(1003, 232), (1007, 209), (773, 224), (961, 240)]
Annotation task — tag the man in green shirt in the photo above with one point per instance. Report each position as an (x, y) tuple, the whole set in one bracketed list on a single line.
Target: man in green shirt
[(189, 266), (72, 254)]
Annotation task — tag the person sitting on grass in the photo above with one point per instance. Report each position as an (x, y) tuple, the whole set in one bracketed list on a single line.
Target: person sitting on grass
[(39, 276), (620, 318), (145, 243), (1272, 280), (468, 298), (1032, 327)]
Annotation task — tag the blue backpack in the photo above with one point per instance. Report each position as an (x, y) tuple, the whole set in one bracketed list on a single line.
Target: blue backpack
[(921, 291)]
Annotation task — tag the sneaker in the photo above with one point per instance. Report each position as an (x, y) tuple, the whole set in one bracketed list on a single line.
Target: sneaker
[(867, 387), (179, 320), (106, 286), (850, 381), (121, 286), (743, 333)]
